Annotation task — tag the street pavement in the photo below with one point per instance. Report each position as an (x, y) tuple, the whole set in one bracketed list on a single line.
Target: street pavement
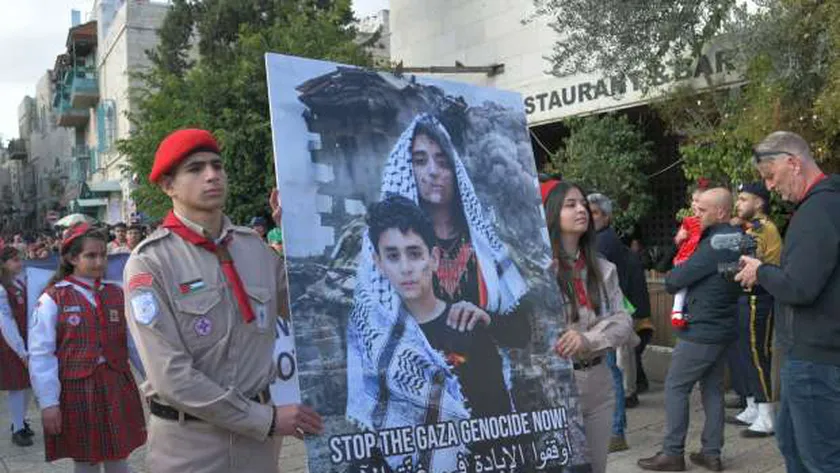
[(644, 434)]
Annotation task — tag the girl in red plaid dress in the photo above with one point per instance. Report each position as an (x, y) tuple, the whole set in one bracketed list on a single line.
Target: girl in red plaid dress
[(79, 362), (14, 377)]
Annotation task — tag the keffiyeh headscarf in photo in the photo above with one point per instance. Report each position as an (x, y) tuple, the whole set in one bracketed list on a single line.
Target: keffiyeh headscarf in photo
[(395, 377)]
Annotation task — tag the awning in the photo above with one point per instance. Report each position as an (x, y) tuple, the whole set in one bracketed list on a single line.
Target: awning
[(92, 202), (105, 186)]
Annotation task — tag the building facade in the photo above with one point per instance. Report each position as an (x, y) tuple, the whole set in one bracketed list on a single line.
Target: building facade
[(126, 30), (377, 25), (39, 178), (506, 32)]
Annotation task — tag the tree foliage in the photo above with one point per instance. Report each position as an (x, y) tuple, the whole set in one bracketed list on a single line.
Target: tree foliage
[(789, 51), (216, 80), (620, 36), (607, 154)]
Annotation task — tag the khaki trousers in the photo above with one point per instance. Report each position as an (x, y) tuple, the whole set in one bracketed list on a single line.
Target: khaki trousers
[(597, 398), (199, 447)]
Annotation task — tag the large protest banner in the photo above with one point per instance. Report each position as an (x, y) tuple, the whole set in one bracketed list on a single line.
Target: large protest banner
[(410, 205)]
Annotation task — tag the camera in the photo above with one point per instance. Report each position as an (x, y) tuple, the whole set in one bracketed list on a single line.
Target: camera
[(745, 245)]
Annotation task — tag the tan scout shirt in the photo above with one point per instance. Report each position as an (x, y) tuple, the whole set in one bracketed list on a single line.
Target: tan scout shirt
[(200, 356), (614, 327)]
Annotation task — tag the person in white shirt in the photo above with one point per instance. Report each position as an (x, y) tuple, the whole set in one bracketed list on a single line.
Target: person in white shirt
[(79, 362), (120, 242), (14, 376)]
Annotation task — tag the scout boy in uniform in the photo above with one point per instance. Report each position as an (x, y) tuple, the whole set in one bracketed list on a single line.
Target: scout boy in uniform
[(203, 296)]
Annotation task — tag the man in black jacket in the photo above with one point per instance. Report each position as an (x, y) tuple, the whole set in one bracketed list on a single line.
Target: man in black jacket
[(625, 362), (700, 353), (806, 287), (633, 282)]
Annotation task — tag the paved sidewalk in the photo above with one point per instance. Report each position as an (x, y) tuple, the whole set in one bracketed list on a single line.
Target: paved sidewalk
[(644, 435)]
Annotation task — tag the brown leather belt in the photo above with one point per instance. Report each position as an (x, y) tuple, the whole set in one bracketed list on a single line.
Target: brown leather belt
[(586, 364), (170, 413)]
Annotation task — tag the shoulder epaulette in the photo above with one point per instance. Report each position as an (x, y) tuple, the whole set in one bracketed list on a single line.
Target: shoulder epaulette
[(157, 235)]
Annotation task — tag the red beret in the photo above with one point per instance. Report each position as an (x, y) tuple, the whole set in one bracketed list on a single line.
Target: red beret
[(73, 233), (546, 188), (178, 146)]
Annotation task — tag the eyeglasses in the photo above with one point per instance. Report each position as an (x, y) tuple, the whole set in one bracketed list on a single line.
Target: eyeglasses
[(759, 156)]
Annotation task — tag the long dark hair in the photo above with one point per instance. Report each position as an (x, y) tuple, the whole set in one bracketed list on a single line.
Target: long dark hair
[(587, 245), (427, 126), (74, 249), (7, 253)]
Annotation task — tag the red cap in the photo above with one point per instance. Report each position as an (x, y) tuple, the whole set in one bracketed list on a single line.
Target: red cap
[(73, 233), (546, 188), (178, 146)]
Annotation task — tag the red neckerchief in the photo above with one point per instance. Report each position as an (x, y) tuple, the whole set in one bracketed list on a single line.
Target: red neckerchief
[(819, 178), (99, 310), (225, 260), (578, 284)]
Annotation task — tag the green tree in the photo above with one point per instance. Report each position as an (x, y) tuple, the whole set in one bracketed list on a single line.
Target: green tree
[(224, 88), (789, 51), (607, 154), (621, 37)]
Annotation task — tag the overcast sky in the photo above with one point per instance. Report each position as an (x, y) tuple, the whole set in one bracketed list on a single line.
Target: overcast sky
[(34, 33)]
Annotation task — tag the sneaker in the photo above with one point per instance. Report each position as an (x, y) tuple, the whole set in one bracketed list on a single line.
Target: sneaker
[(618, 444), (631, 402), (20, 439), (28, 430)]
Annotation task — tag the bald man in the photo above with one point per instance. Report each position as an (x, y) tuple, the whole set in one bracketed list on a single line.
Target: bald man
[(806, 287), (700, 353)]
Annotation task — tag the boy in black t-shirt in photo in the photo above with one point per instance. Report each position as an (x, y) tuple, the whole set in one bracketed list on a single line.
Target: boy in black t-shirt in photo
[(403, 239)]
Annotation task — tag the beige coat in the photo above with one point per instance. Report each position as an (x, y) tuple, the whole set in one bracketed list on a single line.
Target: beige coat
[(612, 329), (200, 356)]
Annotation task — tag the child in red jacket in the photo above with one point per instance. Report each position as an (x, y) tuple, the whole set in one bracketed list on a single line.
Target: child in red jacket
[(687, 239)]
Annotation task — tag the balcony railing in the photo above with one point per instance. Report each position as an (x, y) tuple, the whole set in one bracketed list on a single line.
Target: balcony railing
[(83, 86), (69, 116)]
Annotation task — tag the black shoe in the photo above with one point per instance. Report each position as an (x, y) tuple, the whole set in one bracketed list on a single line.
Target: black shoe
[(754, 434), (28, 430), (631, 402), (662, 462), (709, 462), (21, 439)]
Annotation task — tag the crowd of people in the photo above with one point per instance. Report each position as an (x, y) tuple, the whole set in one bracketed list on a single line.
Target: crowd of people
[(200, 329)]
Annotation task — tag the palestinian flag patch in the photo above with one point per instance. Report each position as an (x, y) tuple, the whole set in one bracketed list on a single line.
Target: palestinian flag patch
[(191, 286)]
